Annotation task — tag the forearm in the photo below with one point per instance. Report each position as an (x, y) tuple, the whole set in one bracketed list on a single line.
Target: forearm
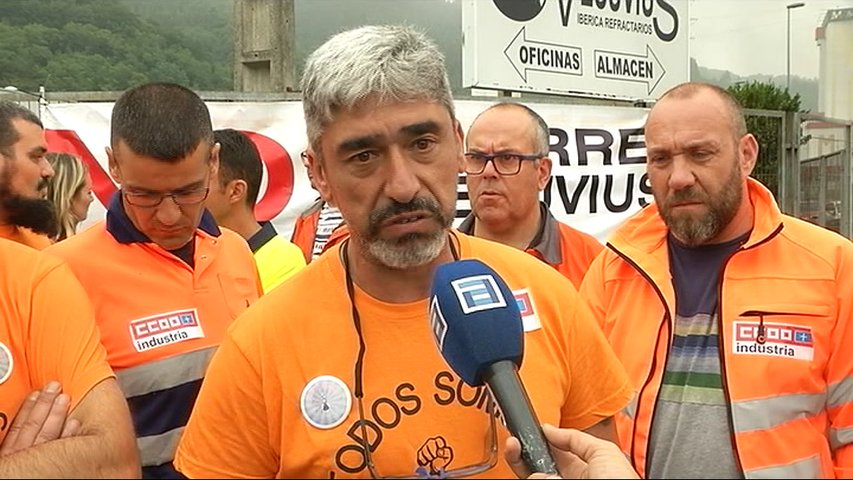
[(84, 456)]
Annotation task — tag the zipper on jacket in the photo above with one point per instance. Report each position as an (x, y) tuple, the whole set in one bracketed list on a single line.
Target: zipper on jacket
[(666, 320), (722, 342), (761, 333), (760, 336)]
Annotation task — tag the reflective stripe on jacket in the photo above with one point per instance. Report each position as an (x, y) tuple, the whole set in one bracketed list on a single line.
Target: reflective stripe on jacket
[(787, 364)]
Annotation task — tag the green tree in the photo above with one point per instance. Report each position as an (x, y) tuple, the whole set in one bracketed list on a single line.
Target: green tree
[(99, 45), (767, 130), (765, 96)]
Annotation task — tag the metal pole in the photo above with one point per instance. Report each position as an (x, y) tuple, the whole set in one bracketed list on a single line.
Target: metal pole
[(42, 101), (790, 7), (788, 56)]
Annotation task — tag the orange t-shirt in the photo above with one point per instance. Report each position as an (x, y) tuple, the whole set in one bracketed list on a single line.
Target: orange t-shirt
[(284, 378), (47, 331), (24, 236)]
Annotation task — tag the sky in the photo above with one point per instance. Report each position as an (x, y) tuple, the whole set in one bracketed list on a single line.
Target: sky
[(749, 36)]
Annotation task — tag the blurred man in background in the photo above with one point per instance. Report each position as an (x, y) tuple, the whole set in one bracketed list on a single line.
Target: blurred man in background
[(26, 215), (320, 226), (507, 165), (232, 199)]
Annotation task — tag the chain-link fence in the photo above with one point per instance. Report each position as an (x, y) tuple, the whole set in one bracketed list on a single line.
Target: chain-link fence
[(769, 129), (805, 160), (825, 165), (820, 190)]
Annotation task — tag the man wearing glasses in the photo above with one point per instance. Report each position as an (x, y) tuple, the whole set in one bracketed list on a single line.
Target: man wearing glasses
[(335, 373), (165, 281), (507, 165)]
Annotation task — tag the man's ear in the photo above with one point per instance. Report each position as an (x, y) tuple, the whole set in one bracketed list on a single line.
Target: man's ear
[(214, 160), (115, 173), (543, 172), (460, 139), (748, 147), (236, 191), (317, 168)]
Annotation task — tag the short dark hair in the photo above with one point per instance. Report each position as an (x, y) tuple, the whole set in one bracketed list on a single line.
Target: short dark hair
[(239, 159), (161, 120), (9, 135)]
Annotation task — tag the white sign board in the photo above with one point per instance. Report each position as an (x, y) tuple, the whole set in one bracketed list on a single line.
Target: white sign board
[(598, 153), (629, 49)]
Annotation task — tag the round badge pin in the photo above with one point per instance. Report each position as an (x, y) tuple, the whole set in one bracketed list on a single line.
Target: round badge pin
[(6, 362), (325, 402)]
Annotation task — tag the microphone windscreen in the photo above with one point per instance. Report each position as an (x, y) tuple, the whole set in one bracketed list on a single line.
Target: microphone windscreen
[(474, 318)]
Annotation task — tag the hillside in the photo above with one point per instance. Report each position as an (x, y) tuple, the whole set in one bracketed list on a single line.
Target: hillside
[(806, 87), (205, 25), (102, 45)]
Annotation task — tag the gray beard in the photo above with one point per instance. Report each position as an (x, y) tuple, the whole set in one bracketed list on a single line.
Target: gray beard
[(406, 252)]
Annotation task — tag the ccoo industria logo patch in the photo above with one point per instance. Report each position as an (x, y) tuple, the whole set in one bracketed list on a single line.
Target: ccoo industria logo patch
[(773, 339), (165, 329)]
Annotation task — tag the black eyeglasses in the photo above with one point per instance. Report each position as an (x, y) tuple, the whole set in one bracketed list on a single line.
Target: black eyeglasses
[(153, 199), (490, 457), (505, 163)]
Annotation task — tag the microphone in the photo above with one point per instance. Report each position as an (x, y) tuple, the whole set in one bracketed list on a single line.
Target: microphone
[(477, 324)]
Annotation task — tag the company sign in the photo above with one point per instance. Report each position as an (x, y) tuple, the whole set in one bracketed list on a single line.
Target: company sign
[(629, 49)]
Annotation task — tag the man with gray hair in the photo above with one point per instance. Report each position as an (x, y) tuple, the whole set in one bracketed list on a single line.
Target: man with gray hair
[(335, 373)]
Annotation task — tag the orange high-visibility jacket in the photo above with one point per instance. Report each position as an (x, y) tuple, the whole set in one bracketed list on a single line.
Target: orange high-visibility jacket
[(568, 250), (785, 332)]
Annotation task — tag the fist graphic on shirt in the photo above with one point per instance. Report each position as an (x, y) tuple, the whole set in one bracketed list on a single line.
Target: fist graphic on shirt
[(435, 454)]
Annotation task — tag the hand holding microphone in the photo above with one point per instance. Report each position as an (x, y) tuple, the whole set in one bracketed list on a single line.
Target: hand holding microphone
[(477, 325), (578, 455)]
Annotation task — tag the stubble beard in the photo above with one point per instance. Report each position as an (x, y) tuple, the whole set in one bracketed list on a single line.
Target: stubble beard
[(407, 251), (698, 230)]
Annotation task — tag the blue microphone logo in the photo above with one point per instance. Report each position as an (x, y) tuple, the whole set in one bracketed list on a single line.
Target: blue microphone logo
[(478, 293)]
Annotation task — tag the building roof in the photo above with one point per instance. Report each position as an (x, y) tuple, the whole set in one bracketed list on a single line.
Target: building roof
[(837, 15)]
